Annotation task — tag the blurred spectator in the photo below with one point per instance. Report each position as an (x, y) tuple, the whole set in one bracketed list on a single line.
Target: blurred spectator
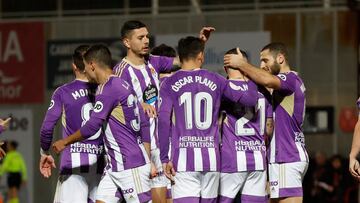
[(14, 165), (328, 181)]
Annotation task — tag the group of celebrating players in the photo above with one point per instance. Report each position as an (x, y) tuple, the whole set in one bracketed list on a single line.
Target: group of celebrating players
[(131, 134)]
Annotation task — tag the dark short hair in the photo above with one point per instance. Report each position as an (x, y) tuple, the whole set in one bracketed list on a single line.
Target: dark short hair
[(129, 26), (78, 56), (276, 48), (100, 54), (163, 50), (14, 144), (233, 51), (189, 47)]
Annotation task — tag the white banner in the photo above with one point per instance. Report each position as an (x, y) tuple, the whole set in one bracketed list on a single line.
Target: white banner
[(21, 130), (219, 43)]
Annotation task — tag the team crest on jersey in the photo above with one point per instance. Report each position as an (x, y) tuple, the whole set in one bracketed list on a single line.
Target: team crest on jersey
[(98, 107), (282, 77), (52, 103)]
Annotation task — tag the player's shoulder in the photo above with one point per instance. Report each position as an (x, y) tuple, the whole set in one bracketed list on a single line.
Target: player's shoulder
[(288, 76)]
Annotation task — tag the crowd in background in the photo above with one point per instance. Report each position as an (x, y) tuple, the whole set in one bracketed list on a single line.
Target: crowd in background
[(328, 180)]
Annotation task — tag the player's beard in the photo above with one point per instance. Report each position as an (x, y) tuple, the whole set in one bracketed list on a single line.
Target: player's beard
[(275, 68)]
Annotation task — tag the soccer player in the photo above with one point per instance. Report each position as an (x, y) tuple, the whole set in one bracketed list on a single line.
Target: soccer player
[(81, 163), (354, 166), (243, 150), (189, 111), (141, 71), (116, 107), (288, 156)]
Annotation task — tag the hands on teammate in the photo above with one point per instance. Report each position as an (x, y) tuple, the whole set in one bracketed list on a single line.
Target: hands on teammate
[(47, 163), (169, 171), (58, 146), (153, 172), (354, 168), (234, 60), (5, 123), (149, 110), (205, 33)]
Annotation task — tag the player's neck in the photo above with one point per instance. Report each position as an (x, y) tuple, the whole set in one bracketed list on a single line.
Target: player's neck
[(285, 69), (104, 76), (190, 65), (235, 75), (135, 59), (81, 77)]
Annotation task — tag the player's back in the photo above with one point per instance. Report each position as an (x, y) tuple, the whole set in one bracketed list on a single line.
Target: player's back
[(243, 135), (77, 99), (288, 142), (196, 97), (122, 130)]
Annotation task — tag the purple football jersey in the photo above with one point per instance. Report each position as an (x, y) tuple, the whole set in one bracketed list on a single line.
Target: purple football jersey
[(118, 109), (73, 102), (189, 111), (288, 141), (243, 135), (144, 80), (358, 103)]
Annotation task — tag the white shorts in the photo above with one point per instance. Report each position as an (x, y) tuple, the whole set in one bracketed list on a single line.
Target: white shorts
[(85, 186), (160, 180), (195, 187), (285, 179), (251, 185), (134, 185)]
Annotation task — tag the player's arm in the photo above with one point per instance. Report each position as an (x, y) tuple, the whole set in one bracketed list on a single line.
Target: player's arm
[(269, 125), (145, 131), (165, 110), (103, 106), (354, 166), (52, 116), (256, 74)]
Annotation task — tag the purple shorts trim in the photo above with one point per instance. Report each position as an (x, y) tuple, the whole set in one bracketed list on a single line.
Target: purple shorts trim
[(255, 199), (291, 192), (187, 200)]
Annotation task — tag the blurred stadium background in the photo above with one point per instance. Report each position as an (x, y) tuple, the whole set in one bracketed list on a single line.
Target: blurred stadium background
[(37, 38)]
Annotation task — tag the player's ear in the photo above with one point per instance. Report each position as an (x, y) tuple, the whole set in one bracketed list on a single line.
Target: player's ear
[(201, 56), (73, 67), (280, 59), (126, 42)]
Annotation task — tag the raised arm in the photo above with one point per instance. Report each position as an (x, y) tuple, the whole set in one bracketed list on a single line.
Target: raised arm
[(256, 74)]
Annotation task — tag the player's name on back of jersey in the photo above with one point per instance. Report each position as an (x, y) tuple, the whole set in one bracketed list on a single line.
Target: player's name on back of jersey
[(77, 94), (191, 79)]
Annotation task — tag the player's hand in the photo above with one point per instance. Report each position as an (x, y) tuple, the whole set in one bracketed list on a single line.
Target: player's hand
[(2, 152), (354, 168), (5, 123), (234, 60), (58, 146), (46, 164), (205, 33), (169, 171), (153, 172), (149, 110)]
